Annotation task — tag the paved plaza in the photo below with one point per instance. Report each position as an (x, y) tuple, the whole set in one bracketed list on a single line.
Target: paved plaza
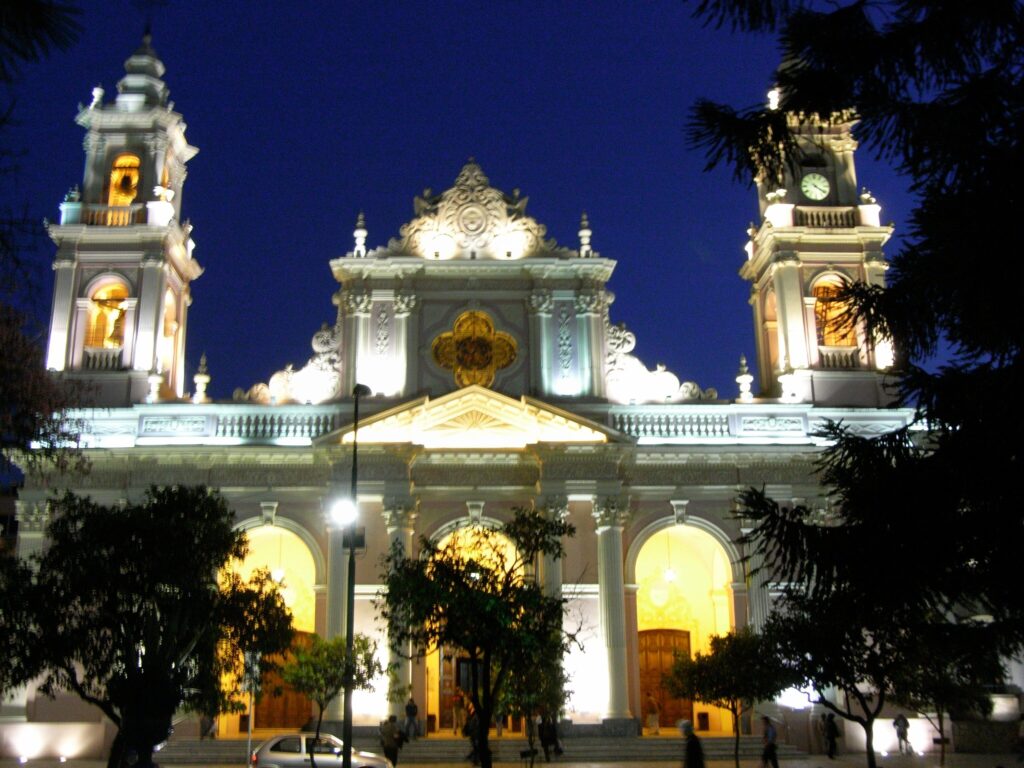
[(810, 761)]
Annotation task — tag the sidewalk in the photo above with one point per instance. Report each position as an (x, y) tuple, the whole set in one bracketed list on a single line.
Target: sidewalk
[(811, 761)]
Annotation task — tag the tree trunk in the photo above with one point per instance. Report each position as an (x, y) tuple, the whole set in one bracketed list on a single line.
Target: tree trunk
[(736, 736), (869, 742)]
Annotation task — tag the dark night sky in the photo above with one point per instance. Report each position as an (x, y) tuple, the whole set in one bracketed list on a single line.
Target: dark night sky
[(305, 113)]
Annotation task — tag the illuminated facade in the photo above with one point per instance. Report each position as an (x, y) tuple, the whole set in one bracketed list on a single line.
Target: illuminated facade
[(499, 380)]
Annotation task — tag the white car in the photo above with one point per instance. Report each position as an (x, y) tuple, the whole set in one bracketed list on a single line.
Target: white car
[(291, 750)]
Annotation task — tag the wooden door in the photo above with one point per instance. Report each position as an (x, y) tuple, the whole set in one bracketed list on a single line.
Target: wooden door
[(657, 650), (286, 709)]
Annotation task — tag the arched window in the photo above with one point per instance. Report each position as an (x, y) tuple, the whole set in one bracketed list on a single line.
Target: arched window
[(106, 317), (124, 180), (832, 323)]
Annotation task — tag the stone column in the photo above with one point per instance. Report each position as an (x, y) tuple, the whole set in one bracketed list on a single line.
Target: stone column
[(757, 595), (557, 508), (789, 300), (611, 515), (356, 306), (337, 592), (590, 306), (150, 313), (400, 520)]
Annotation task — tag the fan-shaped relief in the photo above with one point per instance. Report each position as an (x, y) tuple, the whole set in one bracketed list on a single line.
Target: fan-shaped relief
[(473, 220), (318, 381)]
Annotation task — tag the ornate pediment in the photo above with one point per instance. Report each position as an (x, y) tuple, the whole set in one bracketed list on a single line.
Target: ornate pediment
[(475, 417), (473, 220)]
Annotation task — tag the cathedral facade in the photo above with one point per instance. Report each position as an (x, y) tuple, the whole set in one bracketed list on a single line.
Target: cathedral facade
[(490, 376)]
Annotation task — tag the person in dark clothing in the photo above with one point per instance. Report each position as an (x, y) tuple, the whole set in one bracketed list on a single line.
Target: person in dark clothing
[(548, 733), (770, 738), (693, 756), (390, 739), (411, 711), (472, 731), (831, 734)]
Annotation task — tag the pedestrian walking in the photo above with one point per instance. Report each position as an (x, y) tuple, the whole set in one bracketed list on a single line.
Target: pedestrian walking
[(548, 733), (693, 753), (653, 712), (458, 712), (831, 734), (411, 724), (769, 757), (390, 738), (902, 726)]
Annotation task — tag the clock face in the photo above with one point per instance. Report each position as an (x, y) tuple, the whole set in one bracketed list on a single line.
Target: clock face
[(814, 186)]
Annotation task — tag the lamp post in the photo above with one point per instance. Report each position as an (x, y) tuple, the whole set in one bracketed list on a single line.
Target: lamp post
[(359, 390)]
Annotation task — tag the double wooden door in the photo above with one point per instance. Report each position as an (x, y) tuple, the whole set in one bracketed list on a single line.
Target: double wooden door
[(658, 648)]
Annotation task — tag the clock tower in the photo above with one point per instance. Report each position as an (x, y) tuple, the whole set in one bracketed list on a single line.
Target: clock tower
[(124, 257), (817, 233)]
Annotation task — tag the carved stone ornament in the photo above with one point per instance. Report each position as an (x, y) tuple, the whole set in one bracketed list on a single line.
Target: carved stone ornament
[(405, 303), (473, 350), (611, 512), (32, 518), (316, 382), (627, 380), (472, 220), (541, 302), (590, 302), (556, 507), (398, 514), (357, 302)]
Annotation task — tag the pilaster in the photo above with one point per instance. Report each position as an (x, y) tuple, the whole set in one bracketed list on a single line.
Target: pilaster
[(400, 521)]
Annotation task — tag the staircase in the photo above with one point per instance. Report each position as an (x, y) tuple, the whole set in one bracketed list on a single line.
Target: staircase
[(585, 749)]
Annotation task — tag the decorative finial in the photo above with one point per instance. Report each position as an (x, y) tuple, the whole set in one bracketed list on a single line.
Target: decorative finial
[(360, 236), (744, 379), (73, 195), (201, 380), (773, 99), (585, 232), (866, 198), (97, 97)]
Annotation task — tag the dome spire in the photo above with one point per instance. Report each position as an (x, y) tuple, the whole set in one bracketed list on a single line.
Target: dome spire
[(142, 84)]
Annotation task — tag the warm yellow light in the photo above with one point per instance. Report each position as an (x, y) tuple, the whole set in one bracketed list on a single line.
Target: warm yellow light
[(670, 575), (437, 245)]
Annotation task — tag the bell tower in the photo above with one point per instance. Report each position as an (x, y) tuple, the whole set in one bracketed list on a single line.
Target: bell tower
[(124, 257), (817, 233)]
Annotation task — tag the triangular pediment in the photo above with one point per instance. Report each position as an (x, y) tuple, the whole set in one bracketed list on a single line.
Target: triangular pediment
[(476, 417)]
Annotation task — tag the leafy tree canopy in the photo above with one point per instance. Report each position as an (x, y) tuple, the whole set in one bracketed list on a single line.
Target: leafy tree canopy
[(125, 609), (476, 594), (740, 669), (318, 672)]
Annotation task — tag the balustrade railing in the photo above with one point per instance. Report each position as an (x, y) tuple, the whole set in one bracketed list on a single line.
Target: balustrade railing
[(660, 423), (826, 218), (273, 426), (101, 358), (839, 358)]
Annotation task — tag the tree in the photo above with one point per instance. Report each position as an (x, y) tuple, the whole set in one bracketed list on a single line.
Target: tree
[(124, 609), (537, 685), (925, 526), (477, 594), (318, 672), (33, 403), (741, 668)]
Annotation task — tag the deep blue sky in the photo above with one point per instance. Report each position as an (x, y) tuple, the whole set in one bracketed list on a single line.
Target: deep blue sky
[(304, 113)]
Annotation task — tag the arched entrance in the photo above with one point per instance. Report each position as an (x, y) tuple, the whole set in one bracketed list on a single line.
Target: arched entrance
[(684, 596), (448, 673), (292, 566)]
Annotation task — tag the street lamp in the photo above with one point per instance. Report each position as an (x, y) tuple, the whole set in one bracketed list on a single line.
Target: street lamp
[(346, 516)]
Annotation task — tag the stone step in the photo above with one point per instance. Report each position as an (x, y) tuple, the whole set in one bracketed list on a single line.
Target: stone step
[(506, 749)]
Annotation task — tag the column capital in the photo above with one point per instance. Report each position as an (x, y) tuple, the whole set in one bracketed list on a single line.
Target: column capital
[(399, 514), (32, 517), (611, 512), (555, 506)]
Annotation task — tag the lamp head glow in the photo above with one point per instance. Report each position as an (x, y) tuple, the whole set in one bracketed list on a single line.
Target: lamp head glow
[(343, 512)]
